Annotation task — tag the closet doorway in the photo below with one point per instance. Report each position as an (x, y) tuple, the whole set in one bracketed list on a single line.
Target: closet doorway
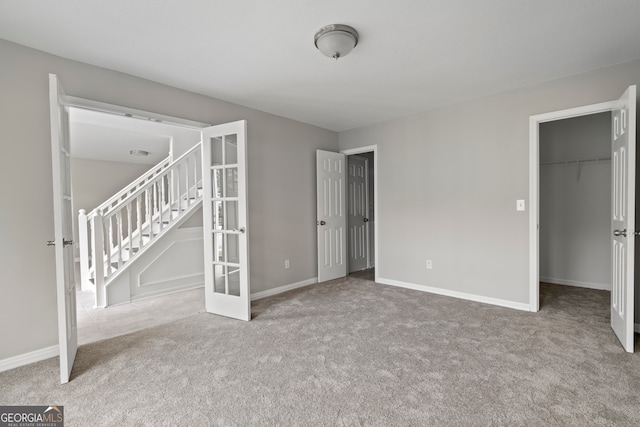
[(575, 195), (622, 202)]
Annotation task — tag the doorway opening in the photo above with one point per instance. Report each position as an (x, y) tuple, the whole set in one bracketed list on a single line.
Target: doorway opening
[(575, 212), (174, 194), (622, 113), (536, 122), (106, 143), (361, 207)]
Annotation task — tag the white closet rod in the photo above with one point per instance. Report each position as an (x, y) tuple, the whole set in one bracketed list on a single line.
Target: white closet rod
[(573, 162)]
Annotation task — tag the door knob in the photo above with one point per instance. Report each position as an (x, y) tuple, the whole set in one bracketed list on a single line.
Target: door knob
[(321, 223), (366, 220), (619, 233)]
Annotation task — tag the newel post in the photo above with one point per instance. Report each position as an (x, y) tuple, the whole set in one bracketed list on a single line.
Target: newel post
[(83, 237), (98, 258)]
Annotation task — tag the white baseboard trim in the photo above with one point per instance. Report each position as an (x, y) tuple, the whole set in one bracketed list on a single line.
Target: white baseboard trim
[(138, 298), (285, 288), (198, 276), (588, 285), (28, 358), (456, 294)]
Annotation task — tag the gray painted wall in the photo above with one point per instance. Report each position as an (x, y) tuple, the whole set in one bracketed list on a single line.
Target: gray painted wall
[(281, 167), (575, 202), (449, 180), (94, 181)]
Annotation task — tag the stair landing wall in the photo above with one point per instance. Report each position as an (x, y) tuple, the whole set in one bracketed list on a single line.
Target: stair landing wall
[(174, 263)]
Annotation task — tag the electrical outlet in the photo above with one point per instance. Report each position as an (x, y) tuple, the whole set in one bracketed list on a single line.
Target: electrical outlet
[(286, 263), (429, 264)]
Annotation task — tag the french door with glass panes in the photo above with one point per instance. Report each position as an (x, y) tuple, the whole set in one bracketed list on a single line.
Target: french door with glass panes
[(63, 229), (225, 220)]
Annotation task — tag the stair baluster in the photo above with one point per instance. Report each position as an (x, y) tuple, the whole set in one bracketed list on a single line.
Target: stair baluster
[(97, 256), (83, 238)]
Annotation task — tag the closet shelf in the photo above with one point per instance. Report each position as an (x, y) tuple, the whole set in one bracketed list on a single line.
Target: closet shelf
[(577, 162)]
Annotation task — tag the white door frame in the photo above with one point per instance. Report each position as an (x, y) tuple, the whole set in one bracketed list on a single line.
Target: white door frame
[(534, 187), (134, 113), (376, 211)]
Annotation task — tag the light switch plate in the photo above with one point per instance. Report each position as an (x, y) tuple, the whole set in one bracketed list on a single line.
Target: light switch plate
[(520, 205)]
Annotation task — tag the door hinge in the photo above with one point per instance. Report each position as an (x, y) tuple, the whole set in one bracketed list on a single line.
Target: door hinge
[(65, 243)]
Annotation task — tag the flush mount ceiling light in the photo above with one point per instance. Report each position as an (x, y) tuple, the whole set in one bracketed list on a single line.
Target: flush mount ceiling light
[(138, 152), (336, 40)]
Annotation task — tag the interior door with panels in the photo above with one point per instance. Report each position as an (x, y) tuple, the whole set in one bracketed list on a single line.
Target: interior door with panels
[(623, 156), (331, 215)]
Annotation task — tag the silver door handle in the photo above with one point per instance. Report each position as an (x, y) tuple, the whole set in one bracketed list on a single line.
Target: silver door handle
[(366, 220), (240, 230), (619, 233), (321, 223)]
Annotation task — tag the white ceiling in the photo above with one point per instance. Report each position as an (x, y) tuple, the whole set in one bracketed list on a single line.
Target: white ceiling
[(413, 55), (109, 137)]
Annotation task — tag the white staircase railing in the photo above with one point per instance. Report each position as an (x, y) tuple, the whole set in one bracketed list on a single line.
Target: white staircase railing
[(127, 224), (136, 185)]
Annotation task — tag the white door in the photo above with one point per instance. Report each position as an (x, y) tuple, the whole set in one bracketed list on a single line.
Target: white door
[(623, 182), (63, 230), (226, 254), (332, 220), (358, 208)]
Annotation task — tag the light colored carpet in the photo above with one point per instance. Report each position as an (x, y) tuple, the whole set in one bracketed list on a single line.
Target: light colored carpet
[(353, 353)]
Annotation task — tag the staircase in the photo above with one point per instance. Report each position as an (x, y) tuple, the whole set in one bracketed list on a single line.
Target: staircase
[(125, 226)]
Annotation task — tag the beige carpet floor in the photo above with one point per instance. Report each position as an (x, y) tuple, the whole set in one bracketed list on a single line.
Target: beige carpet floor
[(353, 353)]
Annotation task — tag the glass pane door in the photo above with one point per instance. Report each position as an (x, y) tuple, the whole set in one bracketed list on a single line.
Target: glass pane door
[(226, 254)]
